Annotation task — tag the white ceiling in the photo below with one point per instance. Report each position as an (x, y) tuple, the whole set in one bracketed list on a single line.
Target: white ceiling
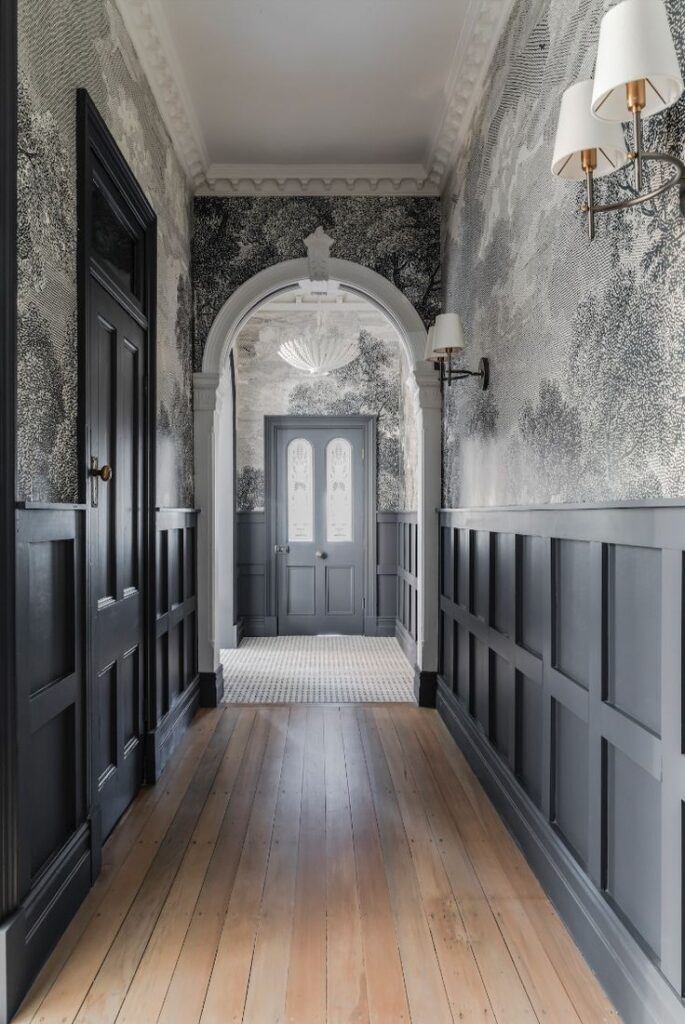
[(315, 95)]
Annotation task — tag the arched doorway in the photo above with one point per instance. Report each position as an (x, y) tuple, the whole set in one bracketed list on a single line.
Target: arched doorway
[(215, 454)]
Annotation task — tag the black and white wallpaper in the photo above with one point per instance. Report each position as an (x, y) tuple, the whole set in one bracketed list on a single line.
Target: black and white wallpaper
[(235, 238), (373, 384), (63, 46), (586, 341)]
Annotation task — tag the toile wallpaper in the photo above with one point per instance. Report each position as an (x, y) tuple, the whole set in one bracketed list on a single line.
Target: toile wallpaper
[(235, 238), (586, 341), (63, 46), (372, 384)]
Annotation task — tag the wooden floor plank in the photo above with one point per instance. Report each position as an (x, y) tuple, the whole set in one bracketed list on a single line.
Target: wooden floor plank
[(346, 996), (506, 992), (267, 988), (227, 991), (305, 1001), (463, 983), (146, 994), (143, 826), (105, 996), (64, 1000), (385, 985), (316, 865), (188, 986)]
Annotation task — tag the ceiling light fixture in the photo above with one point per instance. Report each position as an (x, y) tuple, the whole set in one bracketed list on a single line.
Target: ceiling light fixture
[(446, 337), (636, 75), (328, 344)]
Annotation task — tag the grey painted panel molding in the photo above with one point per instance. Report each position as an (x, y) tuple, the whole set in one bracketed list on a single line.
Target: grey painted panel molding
[(566, 693)]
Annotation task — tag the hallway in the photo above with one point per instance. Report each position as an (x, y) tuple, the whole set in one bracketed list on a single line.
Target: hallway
[(312, 864)]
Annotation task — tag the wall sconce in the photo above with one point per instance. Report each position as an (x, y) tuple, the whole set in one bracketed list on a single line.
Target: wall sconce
[(445, 337), (636, 75)]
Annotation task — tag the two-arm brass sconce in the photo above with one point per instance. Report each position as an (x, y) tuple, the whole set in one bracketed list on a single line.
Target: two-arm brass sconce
[(636, 75)]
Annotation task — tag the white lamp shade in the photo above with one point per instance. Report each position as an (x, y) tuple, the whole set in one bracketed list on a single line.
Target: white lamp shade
[(635, 42), (429, 343), (578, 130), (446, 333)]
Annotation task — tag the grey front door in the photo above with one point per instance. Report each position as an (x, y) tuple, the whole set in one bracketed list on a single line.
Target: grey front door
[(320, 528)]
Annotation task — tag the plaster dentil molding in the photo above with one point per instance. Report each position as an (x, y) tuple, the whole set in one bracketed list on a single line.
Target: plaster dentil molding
[(147, 27), (484, 23)]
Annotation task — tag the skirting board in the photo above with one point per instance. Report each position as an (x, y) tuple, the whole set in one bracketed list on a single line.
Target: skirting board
[(407, 643), (163, 740), (212, 688), (632, 981), (29, 935), (425, 684), (258, 625)]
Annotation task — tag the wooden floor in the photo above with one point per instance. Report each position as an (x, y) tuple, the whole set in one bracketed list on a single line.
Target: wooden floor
[(313, 864)]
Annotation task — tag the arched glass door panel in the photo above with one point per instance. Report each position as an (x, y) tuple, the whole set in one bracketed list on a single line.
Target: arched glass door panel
[(300, 472), (339, 491)]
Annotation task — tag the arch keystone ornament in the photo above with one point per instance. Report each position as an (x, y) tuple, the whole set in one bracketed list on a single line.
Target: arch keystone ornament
[(214, 447), (318, 246)]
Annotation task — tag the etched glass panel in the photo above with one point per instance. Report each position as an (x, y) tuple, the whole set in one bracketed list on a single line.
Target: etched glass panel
[(300, 491), (338, 490)]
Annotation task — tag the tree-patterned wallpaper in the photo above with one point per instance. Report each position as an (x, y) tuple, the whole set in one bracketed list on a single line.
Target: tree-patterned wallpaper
[(373, 384), (235, 238), (586, 341), (64, 46)]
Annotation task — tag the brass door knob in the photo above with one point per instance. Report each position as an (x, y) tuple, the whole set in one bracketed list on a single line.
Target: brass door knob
[(104, 472), (321, 554)]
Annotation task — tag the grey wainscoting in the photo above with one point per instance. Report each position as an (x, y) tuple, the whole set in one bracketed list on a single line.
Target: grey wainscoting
[(176, 692), (395, 613), (561, 637)]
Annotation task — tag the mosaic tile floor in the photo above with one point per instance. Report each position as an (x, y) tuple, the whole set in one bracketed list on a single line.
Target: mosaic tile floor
[(317, 669)]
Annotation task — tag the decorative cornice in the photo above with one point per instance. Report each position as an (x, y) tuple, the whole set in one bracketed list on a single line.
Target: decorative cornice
[(147, 27), (483, 26), (149, 32), (317, 180)]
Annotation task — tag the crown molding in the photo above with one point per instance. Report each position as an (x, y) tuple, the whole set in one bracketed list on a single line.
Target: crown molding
[(146, 25), (484, 23), (317, 180)]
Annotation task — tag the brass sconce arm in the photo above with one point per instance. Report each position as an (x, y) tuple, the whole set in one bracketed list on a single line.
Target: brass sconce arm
[(448, 373)]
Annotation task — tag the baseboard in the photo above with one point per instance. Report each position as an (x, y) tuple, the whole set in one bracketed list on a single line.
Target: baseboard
[(212, 688), (385, 625), (30, 934), (258, 625), (632, 981), (425, 685), (164, 739), (407, 643)]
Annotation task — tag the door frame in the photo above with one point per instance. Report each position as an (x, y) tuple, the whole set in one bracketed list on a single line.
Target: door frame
[(368, 423), (94, 139)]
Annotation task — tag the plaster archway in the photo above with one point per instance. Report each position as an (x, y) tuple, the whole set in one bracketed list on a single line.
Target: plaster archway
[(213, 421)]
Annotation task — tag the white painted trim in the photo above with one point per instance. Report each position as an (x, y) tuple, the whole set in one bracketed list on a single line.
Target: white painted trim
[(147, 27), (213, 476), (485, 23)]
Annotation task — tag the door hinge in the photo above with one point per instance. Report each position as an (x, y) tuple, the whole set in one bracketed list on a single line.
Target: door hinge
[(363, 604)]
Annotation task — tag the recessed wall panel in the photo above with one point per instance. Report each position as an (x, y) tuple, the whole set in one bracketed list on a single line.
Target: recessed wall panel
[(532, 597), (447, 564), (481, 571), (572, 607), (52, 640), (52, 787), (463, 658), (634, 845), (481, 683), (570, 779), (502, 576), (530, 724), (503, 692), (463, 567), (634, 628)]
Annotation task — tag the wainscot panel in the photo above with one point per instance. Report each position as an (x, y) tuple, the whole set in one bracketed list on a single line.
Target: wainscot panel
[(396, 611), (561, 638), (175, 693), (58, 840)]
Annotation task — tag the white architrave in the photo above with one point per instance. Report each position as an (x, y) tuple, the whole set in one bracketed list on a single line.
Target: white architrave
[(214, 474)]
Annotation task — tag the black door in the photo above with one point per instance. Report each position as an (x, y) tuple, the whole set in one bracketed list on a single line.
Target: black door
[(117, 593), (320, 527)]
